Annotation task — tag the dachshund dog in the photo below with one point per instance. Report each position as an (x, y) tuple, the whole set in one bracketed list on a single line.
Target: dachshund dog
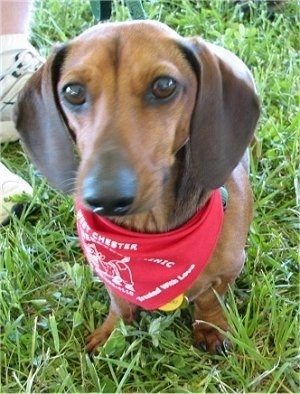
[(145, 127)]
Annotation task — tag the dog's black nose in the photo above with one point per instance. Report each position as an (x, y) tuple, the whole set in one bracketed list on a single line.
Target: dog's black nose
[(110, 187)]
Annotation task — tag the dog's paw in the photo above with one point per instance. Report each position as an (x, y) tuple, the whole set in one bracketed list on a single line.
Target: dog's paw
[(96, 339), (210, 339)]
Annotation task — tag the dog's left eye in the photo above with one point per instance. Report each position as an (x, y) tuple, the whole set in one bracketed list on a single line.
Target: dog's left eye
[(75, 94), (163, 87)]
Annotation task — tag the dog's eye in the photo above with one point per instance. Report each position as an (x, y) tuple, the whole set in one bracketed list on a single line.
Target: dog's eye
[(75, 94), (163, 87)]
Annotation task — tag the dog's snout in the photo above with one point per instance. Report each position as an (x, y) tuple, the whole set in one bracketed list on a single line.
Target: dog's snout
[(110, 189)]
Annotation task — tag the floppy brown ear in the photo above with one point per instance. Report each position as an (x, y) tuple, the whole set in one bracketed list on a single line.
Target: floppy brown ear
[(39, 120), (225, 114)]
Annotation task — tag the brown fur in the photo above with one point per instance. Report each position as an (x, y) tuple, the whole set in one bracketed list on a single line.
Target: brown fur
[(175, 151)]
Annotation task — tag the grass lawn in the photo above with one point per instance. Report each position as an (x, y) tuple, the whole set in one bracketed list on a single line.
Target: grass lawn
[(49, 299)]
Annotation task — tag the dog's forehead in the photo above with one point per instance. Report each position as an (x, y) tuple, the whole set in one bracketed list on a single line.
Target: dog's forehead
[(118, 37), (129, 44), (137, 29)]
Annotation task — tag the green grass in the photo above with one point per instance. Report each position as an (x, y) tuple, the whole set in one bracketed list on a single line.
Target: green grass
[(50, 300)]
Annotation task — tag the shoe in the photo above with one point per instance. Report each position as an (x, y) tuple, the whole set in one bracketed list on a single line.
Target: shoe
[(18, 61), (11, 185)]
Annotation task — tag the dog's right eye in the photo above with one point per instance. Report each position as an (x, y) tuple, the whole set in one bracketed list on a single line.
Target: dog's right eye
[(74, 94), (163, 87)]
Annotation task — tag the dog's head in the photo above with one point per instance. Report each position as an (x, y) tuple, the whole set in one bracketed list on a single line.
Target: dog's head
[(130, 95)]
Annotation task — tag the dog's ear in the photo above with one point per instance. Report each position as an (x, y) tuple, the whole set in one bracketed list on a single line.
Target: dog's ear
[(40, 121), (225, 113)]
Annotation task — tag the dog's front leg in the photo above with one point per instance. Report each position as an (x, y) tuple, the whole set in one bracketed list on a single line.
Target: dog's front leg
[(119, 309), (207, 314)]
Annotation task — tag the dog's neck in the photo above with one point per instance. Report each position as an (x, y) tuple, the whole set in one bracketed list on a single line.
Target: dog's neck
[(181, 198)]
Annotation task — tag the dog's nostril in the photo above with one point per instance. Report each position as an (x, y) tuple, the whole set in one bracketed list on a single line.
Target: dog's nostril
[(123, 206), (98, 210)]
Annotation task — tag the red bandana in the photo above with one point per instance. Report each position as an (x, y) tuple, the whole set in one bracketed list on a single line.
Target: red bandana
[(150, 270)]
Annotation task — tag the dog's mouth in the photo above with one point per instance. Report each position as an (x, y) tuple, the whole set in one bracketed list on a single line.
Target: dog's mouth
[(113, 207), (115, 203), (120, 206)]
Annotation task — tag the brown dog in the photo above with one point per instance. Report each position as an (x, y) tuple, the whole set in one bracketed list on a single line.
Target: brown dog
[(160, 122)]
